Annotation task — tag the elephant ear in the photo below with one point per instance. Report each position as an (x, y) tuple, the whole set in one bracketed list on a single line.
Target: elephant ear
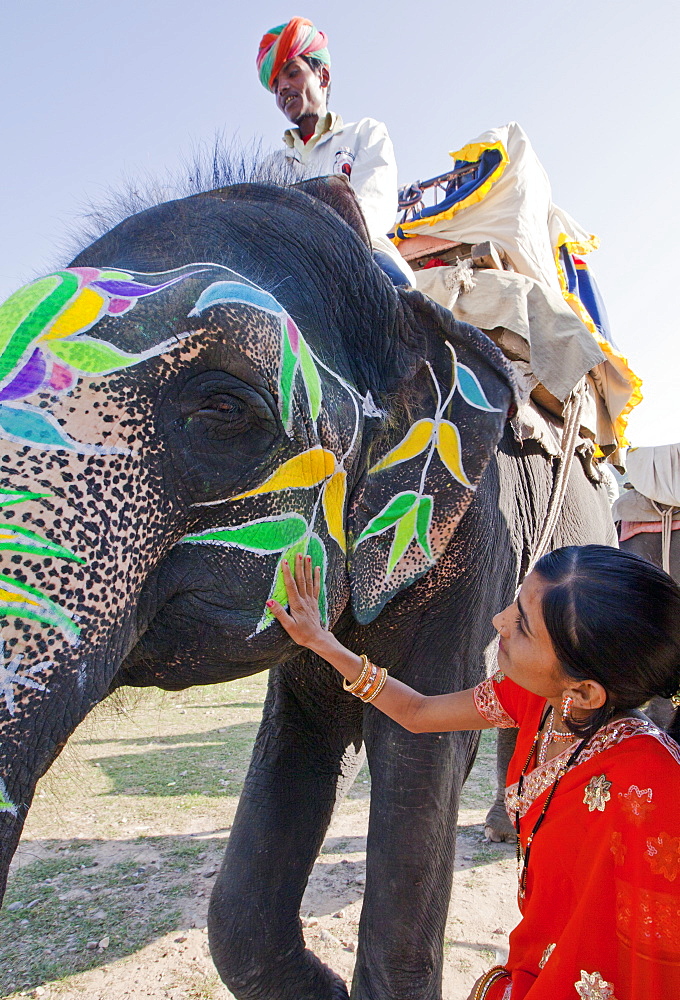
[(443, 423), (337, 192)]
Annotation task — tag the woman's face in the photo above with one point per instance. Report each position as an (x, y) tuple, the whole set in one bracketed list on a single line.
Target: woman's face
[(525, 652)]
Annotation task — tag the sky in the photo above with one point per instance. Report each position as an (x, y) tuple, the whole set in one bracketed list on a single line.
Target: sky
[(94, 95)]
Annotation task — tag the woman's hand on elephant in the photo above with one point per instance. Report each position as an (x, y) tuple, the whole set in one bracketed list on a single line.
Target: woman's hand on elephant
[(302, 621)]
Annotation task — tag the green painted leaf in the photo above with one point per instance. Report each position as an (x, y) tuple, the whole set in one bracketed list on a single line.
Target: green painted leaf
[(317, 550), (267, 534), (289, 364), (471, 390), (423, 522), (6, 804), (8, 497), (311, 379), (16, 539), (16, 340), (20, 600), (93, 357), (278, 591), (391, 513), (402, 538), (15, 310)]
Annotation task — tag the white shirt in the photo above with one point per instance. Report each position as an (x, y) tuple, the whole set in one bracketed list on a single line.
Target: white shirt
[(362, 151)]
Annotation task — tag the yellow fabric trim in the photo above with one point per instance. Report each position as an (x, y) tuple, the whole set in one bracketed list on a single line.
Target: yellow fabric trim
[(615, 358), (470, 153), (574, 246)]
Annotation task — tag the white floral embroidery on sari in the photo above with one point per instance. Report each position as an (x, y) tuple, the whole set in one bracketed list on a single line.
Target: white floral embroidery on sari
[(488, 704)]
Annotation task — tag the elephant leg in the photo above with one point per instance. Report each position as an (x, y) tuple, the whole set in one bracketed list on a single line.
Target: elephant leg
[(497, 825), (415, 785), (305, 756)]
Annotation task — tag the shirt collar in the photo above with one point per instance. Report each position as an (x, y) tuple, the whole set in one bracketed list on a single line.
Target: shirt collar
[(331, 122)]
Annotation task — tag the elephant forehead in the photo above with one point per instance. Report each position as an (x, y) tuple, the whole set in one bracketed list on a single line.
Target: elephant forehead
[(256, 334)]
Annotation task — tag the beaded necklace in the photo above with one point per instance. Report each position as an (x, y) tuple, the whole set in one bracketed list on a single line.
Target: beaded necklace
[(552, 735), (523, 857)]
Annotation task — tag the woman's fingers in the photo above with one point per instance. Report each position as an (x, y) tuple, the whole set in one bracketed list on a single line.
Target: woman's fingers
[(316, 589), (300, 576), (290, 582), (281, 614), (309, 575)]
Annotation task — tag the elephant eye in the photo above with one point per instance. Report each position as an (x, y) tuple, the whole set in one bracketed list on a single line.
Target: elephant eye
[(228, 407), (218, 406)]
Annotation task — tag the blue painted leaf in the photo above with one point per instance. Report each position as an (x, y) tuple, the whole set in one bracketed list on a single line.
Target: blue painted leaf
[(471, 390), (226, 292), (31, 426)]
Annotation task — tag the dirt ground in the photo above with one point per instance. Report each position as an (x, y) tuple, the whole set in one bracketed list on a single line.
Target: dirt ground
[(109, 890)]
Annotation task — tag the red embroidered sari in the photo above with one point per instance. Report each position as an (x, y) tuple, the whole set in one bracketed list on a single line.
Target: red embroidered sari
[(601, 915)]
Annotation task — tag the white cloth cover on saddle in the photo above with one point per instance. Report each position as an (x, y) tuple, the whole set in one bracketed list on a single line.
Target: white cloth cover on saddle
[(655, 473), (557, 345), (516, 213)]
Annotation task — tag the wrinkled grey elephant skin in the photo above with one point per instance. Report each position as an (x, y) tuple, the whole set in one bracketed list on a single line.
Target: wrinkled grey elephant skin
[(648, 546), (204, 426)]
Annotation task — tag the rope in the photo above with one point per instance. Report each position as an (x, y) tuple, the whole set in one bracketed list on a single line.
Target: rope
[(573, 408), (666, 515)]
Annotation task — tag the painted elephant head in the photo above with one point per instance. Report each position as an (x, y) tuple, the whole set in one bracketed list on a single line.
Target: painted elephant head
[(172, 430)]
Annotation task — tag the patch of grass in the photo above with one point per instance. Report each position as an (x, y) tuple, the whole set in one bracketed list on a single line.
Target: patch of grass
[(479, 790), (213, 763), (67, 904)]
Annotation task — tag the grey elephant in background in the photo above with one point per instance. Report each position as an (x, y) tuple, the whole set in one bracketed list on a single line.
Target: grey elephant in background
[(653, 493)]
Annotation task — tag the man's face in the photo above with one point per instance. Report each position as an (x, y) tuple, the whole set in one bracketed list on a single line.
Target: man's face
[(299, 91)]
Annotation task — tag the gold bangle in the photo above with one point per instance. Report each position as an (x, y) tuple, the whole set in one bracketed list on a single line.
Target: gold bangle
[(368, 686), (372, 695), (494, 975), (351, 686)]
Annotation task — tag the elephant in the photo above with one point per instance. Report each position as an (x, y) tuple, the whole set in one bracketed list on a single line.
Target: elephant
[(633, 506), (216, 384)]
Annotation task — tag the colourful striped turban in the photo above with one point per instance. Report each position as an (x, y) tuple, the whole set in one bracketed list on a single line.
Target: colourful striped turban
[(297, 38)]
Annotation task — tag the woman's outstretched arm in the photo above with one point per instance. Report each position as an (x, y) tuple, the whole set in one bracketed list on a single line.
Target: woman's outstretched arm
[(416, 712)]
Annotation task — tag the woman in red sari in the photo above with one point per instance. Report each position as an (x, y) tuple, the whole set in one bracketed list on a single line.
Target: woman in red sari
[(593, 786)]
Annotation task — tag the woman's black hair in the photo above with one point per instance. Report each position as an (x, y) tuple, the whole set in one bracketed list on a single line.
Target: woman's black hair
[(614, 618)]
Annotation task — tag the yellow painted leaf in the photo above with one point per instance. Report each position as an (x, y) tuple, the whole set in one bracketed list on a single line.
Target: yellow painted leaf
[(7, 595), (334, 507), (417, 440), (83, 311), (305, 470), (448, 446)]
